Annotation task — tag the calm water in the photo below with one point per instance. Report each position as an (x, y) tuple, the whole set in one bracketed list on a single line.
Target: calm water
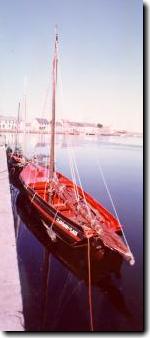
[(54, 284)]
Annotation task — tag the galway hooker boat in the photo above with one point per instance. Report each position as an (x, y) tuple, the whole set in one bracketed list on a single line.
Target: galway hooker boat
[(70, 213)]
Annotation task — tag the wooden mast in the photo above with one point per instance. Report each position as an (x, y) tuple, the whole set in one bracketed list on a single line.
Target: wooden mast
[(54, 82)]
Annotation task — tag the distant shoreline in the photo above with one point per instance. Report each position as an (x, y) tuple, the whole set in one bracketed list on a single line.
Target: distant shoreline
[(116, 133)]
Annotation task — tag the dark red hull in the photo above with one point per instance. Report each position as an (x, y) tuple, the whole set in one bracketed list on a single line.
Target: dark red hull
[(63, 221)]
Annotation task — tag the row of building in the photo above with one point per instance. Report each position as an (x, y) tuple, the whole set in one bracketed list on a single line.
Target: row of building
[(42, 125)]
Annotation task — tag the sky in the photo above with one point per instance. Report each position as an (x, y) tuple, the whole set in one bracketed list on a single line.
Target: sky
[(100, 60)]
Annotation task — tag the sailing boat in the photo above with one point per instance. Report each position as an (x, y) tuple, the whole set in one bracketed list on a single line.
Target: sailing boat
[(15, 159), (70, 213), (74, 260)]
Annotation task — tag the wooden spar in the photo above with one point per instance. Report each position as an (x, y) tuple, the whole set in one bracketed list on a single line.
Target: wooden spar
[(54, 81)]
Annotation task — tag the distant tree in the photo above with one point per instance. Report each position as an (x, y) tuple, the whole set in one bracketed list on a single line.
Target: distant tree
[(99, 125)]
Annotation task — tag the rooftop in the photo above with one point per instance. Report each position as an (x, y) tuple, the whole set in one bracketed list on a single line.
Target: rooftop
[(42, 121)]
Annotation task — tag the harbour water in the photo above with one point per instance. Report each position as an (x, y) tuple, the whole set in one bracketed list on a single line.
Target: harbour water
[(54, 286)]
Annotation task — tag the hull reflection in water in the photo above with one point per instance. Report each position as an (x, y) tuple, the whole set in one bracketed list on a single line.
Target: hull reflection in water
[(76, 261)]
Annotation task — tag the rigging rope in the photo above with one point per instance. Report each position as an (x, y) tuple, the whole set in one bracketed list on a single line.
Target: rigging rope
[(45, 188), (73, 179), (115, 211), (74, 172), (69, 155), (45, 99), (78, 175)]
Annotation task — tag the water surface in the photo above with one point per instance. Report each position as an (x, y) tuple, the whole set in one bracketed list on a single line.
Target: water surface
[(54, 287)]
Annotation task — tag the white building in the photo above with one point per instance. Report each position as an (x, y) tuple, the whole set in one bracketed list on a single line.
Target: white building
[(43, 125), (40, 124), (104, 131), (8, 123), (71, 127), (59, 127)]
